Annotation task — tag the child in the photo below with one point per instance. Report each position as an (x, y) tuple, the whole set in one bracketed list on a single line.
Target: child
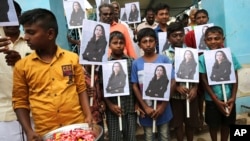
[(49, 82), (178, 99), (216, 116), (127, 109), (147, 40)]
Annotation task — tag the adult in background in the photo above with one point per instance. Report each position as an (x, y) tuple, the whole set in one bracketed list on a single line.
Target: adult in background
[(13, 48), (192, 17), (106, 13)]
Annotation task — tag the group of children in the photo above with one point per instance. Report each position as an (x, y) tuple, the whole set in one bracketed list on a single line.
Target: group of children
[(171, 114), (167, 113)]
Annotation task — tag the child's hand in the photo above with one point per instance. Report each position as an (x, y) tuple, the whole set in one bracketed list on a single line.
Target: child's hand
[(33, 136), (90, 91), (222, 107), (159, 110), (115, 109), (192, 94), (182, 90), (149, 111), (230, 104)]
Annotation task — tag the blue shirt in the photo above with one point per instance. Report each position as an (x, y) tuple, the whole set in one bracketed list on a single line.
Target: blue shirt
[(137, 77), (217, 89)]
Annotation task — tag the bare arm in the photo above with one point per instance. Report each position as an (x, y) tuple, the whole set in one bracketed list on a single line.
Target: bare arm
[(221, 105), (83, 97), (149, 110), (24, 119)]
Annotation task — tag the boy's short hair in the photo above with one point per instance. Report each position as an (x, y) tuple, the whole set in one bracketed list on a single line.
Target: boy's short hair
[(201, 11), (173, 27), (146, 32), (161, 6), (117, 34), (45, 17), (214, 29)]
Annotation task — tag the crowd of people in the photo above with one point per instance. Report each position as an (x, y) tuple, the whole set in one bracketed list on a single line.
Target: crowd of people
[(44, 87)]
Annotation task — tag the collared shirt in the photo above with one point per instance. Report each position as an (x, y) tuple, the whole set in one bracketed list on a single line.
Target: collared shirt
[(6, 75), (127, 102), (146, 25), (129, 49), (50, 90)]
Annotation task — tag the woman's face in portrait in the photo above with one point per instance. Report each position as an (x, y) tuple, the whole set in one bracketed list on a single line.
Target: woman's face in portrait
[(76, 6), (188, 55), (219, 57), (98, 31), (116, 68), (159, 72), (133, 7)]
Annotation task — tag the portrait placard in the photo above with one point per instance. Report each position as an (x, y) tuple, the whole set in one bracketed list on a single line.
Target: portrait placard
[(74, 12), (115, 78), (163, 42), (8, 16), (219, 66), (199, 32), (156, 82), (94, 44), (186, 65), (133, 12)]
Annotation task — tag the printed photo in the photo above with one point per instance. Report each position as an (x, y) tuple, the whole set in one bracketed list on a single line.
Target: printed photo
[(75, 13), (219, 66), (8, 15), (157, 81), (163, 41), (94, 44), (115, 78), (133, 12), (186, 65), (199, 32)]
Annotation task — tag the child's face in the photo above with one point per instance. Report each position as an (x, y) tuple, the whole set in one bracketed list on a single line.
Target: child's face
[(148, 44), (38, 38), (117, 46), (201, 19), (176, 39), (214, 40)]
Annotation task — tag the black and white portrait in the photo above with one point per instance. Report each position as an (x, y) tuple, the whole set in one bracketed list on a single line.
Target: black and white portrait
[(94, 44), (133, 12), (115, 78), (219, 66), (199, 32), (157, 81), (186, 65), (8, 15), (75, 12), (123, 15), (163, 41)]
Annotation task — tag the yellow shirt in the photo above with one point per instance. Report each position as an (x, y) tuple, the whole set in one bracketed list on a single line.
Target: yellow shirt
[(6, 78), (50, 90)]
